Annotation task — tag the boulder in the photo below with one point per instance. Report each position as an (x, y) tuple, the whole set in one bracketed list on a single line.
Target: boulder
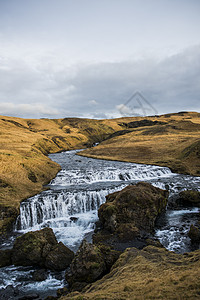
[(190, 198), (33, 247), (9, 292), (39, 275), (59, 258), (40, 248), (5, 258), (194, 234), (87, 266), (132, 212)]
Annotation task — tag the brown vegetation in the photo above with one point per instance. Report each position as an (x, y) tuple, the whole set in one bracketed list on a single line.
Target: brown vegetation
[(24, 164), (151, 273), (167, 140), (171, 140)]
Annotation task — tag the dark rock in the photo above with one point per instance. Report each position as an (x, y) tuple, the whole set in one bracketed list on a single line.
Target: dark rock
[(9, 293), (5, 258), (154, 242), (33, 247), (62, 292), (87, 266), (128, 216), (78, 286), (29, 297), (132, 210), (194, 234), (73, 219), (40, 248), (190, 198), (109, 255), (39, 275), (59, 258), (141, 123)]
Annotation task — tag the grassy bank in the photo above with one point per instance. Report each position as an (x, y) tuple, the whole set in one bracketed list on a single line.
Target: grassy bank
[(151, 273), (171, 140), (167, 140), (24, 164)]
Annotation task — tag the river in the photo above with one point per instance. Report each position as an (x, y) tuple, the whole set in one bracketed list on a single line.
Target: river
[(71, 203)]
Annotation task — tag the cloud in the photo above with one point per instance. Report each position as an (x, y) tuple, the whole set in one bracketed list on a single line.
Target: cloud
[(50, 87), (93, 102), (37, 110)]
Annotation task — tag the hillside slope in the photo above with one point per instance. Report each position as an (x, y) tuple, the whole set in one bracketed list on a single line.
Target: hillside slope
[(171, 140), (24, 164), (167, 140), (151, 273)]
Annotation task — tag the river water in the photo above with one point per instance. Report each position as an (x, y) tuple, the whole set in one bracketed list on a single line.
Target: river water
[(71, 203)]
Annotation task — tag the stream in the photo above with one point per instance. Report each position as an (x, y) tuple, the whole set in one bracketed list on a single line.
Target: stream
[(70, 208)]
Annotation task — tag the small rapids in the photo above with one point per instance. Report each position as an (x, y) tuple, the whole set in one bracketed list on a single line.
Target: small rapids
[(71, 203)]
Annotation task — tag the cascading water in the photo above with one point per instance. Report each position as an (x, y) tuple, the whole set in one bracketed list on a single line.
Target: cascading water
[(70, 205)]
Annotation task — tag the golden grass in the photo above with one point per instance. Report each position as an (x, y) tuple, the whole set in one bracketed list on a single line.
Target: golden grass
[(24, 145), (151, 273), (164, 145)]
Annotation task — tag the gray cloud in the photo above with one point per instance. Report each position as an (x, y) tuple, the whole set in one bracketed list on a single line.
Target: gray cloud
[(86, 58), (44, 88)]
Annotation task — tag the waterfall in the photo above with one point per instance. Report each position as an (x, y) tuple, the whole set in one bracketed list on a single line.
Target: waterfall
[(133, 172), (71, 204), (70, 214), (50, 206)]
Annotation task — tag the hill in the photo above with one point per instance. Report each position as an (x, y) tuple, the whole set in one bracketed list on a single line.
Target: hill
[(151, 273), (24, 146), (168, 140), (171, 140)]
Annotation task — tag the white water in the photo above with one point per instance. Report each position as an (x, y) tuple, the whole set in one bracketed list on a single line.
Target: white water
[(70, 207), (174, 234), (131, 172), (71, 215)]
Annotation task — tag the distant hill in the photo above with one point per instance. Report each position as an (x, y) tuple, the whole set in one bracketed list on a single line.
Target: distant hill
[(24, 146), (169, 140)]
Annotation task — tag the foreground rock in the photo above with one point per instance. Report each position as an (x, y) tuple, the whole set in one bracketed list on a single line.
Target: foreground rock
[(194, 233), (130, 214), (189, 198), (89, 264), (5, 258), (40, 248), (151, 273)]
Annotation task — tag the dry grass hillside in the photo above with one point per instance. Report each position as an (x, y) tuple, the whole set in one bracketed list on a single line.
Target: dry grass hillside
[(167, 140), (24, 164), (171, 140), (151, 273)]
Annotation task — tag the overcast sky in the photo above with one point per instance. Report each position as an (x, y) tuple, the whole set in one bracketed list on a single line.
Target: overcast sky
[(86, 58)]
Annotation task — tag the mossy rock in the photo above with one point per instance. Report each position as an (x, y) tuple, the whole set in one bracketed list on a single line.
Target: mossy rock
[(190, 197), (87, 266), (5, 258), (40, 248), (132, 210), (59, 258), (194, 234)]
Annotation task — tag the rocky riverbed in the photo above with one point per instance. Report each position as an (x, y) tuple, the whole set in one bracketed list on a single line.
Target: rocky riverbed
[(70, 208)]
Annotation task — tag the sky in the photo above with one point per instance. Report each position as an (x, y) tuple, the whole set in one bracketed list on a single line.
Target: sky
[(87, 58)]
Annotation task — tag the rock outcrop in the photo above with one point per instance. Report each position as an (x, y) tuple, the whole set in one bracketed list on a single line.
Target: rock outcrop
[(189, 198), (150, 273), (90, 263), (130, 214), (40, 248), (5, 258), (194, 233)]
